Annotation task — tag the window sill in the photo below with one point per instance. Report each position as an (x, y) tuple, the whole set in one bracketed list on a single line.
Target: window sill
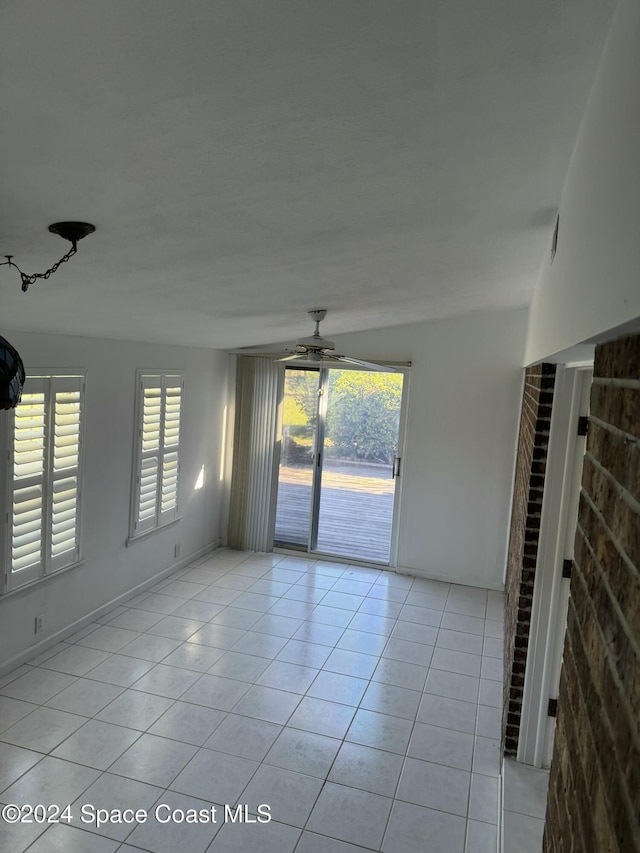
[(153, 530), (27, 587)]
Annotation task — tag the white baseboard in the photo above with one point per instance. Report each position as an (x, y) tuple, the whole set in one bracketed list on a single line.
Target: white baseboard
[(67, 631), (331, 558), (435, 576), (401, 570)]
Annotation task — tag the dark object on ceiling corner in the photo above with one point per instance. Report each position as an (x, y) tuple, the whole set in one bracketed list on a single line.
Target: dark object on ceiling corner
[(12, 375)]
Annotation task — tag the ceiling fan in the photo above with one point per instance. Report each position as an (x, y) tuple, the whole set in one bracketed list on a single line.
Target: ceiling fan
[(316, 349)]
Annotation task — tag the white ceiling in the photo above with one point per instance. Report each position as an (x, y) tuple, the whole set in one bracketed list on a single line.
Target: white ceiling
[(247, 160)]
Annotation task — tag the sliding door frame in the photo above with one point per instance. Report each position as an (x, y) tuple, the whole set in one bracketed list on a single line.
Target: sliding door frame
[(399, 476), (318, 462)]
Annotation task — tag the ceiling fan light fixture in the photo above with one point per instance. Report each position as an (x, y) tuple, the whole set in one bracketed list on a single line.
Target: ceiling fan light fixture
[(318, 350)]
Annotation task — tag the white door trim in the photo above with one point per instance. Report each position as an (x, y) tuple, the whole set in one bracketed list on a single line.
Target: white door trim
[(551, 590)]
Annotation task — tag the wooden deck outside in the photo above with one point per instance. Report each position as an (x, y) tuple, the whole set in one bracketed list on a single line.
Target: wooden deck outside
[(356, 509)]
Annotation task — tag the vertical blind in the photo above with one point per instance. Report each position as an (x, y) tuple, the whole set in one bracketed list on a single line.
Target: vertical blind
[(252, 499)]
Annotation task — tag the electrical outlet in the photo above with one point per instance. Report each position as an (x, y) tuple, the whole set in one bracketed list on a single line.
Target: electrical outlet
[(176, 550), (39, 624)]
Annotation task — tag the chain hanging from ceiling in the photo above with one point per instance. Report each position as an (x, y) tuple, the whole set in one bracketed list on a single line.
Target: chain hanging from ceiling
[(72, 231), (12, 373)]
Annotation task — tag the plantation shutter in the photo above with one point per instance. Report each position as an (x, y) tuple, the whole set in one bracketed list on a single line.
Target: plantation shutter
[(44, 489), (27, 486), (170, 447), (160, 404), (149, 462), (65, 461)]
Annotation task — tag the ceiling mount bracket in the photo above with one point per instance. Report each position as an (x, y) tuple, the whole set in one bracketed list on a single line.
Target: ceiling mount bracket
[(72, 231), (318, 314)]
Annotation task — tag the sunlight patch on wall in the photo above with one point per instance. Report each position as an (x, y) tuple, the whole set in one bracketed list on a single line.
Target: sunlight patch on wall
[(200, 481)]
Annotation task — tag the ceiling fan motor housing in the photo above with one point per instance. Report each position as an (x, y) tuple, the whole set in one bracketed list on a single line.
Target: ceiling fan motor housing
[(316, 342)]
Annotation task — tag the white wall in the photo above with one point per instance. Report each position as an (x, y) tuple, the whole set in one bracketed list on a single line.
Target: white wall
[(593, 284), (111, 567), (464, 404)]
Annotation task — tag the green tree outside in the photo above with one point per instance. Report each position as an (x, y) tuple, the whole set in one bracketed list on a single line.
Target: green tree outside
[(363, 414)]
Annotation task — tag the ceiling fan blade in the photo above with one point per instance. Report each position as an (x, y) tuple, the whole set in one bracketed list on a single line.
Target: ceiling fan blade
[(369, 365), (269, 352), (294, 357)]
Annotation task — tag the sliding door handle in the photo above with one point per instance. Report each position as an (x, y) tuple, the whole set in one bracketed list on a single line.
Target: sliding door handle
[(395, 470)]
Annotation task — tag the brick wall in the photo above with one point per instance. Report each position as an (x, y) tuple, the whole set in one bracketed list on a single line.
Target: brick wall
[(531, 463), (594, 786)]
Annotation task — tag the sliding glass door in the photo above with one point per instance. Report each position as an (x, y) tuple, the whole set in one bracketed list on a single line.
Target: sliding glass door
[(297, 458), (340, 462)]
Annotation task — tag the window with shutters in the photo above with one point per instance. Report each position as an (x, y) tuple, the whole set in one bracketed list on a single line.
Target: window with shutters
[(45, 451), (157, 459)]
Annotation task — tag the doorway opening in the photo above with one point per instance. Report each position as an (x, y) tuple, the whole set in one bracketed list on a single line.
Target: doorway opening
[(340, 462)]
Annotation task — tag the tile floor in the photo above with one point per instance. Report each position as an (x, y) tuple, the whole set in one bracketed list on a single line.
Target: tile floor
[(362, 706), (525, 807)]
